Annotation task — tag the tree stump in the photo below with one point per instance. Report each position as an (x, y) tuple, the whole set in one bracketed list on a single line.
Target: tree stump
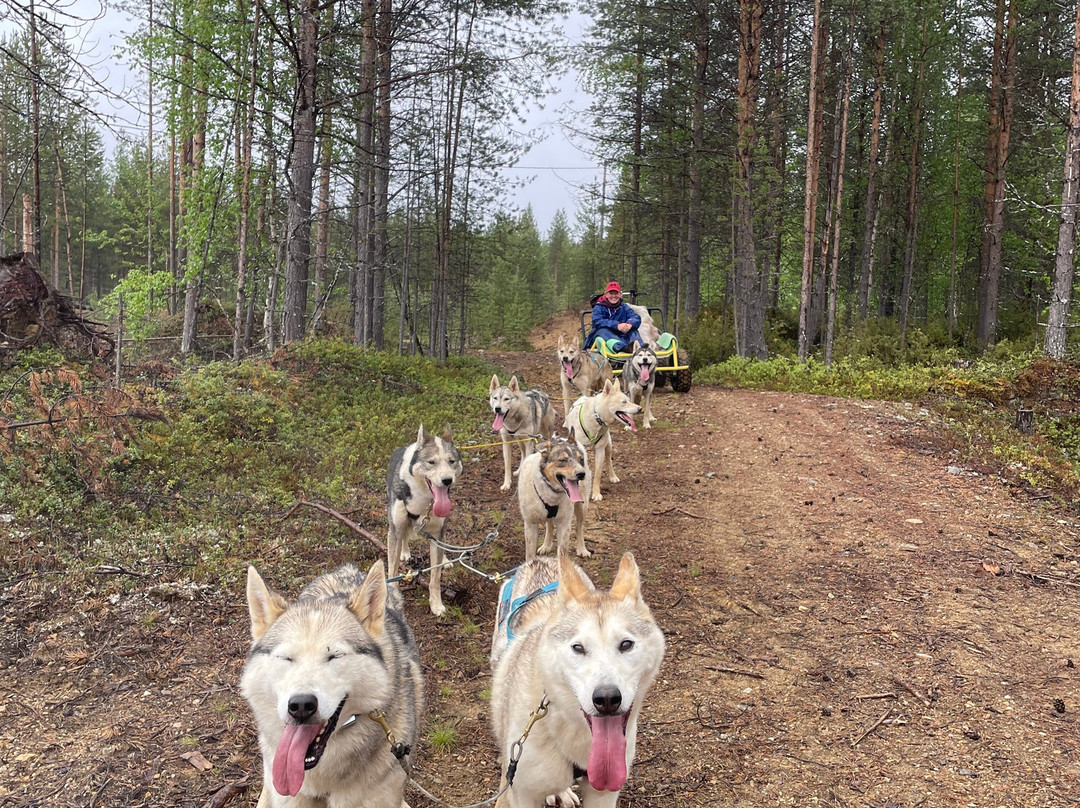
[(1025, 421)]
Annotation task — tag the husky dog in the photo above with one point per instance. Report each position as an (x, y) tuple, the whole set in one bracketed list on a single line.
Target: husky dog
[(590, 421), (526, 414), (639, 378), (581, 372), (320, 668), (647, 330), (418, 502), (592, 655), (549, 494)]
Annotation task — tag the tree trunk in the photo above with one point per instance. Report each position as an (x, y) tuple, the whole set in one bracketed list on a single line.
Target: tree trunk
[(241, 319), (913, 192), (750, 284), (951, 315), (813, 147), (871, 216), (302, 171), (322, 227), (1054, 345), (692, 296), (830, 329), (384, 35), (1004, 70), (778, 147)]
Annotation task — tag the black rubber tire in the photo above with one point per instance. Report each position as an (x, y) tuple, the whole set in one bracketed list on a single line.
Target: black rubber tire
[(680, 380)]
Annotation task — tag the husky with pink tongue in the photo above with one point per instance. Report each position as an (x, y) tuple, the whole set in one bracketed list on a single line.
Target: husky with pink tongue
[(418, 502), (590, 656), (318, 669), (519, 414), (550, 486)]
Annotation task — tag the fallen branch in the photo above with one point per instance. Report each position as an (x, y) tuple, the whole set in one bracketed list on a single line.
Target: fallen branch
[(866, 696), (676, 509), (227, 792), (910, 689), (737, 671), (1046, 579), (873, 726), (340, 517)]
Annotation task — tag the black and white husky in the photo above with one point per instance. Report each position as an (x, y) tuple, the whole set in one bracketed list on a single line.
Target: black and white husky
[(639, 378), (519, 414), (418, 502)]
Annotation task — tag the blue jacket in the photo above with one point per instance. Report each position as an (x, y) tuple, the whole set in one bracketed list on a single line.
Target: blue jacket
[(607, 318)]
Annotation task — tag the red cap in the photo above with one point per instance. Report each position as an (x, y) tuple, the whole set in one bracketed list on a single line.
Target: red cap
[(613, 287)]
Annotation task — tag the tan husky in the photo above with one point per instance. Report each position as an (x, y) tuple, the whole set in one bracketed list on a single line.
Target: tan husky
[(320, 667), (519, 415), (591, 657), (590, 420), (581, 372), (549, 494)]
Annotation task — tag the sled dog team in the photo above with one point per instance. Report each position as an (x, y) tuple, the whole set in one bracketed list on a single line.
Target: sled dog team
[(333, 677)]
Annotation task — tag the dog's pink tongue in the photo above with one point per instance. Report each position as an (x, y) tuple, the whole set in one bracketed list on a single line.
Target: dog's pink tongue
[(644, 373), (568, 369), (499, 417), (607, 755), (441, 507), (574, 490), (289, 758)]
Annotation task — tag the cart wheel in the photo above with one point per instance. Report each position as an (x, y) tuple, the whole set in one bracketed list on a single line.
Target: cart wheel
[(661, 379), (680, 382)]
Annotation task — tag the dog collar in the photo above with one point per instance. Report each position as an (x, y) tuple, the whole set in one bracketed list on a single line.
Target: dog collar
[(552, 510), (585, 429)]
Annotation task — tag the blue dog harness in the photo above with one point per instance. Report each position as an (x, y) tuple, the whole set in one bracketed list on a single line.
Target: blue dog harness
[(508, 609)]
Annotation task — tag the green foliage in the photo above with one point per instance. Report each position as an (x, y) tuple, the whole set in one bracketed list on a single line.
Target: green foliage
[(443, 736), (317, 421)]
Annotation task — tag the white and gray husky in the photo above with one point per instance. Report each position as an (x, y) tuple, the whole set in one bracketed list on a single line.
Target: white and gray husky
[(418, 502), (590, 420), (639, 378), (549, 489), (321, 668), (518, 415), (593, 656)]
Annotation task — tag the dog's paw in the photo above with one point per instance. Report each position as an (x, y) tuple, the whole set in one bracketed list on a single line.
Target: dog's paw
[(438, 609), (597, 497), (504, 487), (584, 552), (613, 479), (545, 548), (567, 799)]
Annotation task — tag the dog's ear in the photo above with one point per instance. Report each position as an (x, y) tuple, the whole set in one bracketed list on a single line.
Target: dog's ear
[(447, 434), (494, 384), (369, 602), (608, 385), (635, 347), (561, 343), (264, 605), (572, 587), (542, 446), (653, 346), (420, 436), (514, 386), (627, 583)]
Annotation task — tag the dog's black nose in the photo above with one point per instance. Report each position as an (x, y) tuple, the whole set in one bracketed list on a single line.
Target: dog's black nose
[(607, 700), (302, 706), (580, 475), (447, 481)]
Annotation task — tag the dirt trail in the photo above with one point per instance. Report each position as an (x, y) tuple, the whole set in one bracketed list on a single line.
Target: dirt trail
[(834, 637)]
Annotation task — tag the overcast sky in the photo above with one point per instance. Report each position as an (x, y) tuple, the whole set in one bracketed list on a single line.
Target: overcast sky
[(553, 172)]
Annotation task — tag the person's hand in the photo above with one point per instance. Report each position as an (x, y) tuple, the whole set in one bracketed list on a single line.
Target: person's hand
[(624, 327)]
